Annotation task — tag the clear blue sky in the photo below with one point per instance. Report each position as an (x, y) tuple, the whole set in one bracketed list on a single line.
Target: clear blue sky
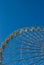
[(15, 14)]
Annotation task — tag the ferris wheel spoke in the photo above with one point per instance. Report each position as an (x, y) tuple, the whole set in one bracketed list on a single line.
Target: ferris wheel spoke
[(37, 61), (24, 44), (30, 47), (32, 37), (32, 40), (22, 59), (28, 43), (35, 36), (8, 54)]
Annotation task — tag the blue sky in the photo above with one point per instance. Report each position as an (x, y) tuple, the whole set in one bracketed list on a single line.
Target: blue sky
[(15, 14)]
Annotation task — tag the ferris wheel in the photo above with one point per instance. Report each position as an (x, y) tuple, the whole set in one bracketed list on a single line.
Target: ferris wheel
[(24, 46)]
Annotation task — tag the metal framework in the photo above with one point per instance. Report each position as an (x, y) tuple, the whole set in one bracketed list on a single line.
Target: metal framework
[(23, 47)]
